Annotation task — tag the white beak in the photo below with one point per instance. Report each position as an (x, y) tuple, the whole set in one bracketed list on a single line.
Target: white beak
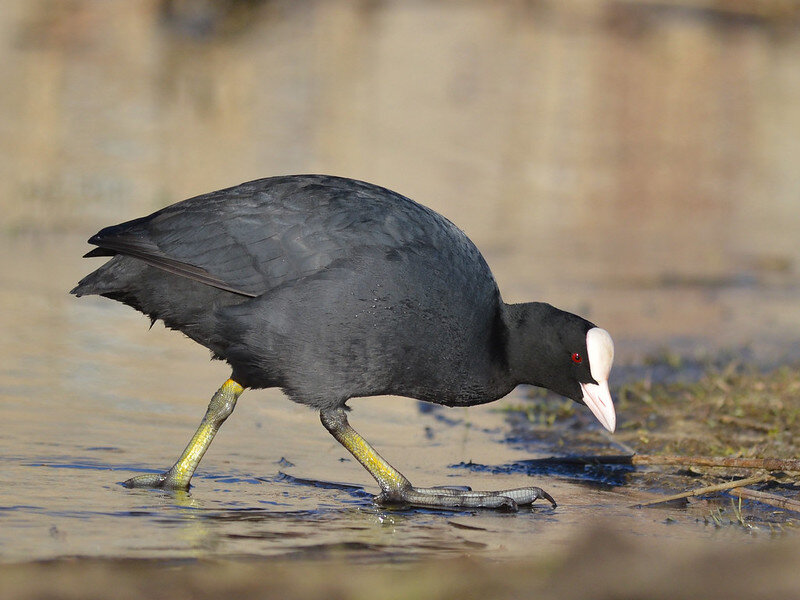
[(598, 398)]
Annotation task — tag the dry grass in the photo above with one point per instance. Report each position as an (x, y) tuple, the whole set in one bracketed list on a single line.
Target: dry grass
[(727, 413)]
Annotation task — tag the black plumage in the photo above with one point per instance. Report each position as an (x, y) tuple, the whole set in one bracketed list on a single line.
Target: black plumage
[(330, 289)]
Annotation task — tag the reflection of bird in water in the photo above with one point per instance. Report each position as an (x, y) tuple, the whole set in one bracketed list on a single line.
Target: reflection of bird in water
[(331, 289)]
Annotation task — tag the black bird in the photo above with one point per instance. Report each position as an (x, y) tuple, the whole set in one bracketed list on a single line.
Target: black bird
[(331, 289)]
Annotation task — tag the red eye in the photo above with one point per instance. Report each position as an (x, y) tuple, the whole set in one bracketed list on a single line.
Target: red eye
[(577, 358)]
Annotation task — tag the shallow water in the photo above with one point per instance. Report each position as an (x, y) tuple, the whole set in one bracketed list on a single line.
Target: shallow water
[(91, 396), (669, 219)]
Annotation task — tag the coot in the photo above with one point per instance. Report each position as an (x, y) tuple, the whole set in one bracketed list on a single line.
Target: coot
[(331, 289)]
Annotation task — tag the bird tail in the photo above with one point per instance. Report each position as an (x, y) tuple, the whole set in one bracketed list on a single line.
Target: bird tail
[(102, 281)]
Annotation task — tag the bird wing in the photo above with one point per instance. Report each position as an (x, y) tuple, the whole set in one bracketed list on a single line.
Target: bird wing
[(251, 238), (146, 252)]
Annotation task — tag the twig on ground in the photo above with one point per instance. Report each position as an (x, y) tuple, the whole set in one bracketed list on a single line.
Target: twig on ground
[(767, 498), (709, 489)]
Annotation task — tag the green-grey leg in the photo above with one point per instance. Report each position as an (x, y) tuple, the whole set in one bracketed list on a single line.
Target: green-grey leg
[(396, 489), (179, 476)]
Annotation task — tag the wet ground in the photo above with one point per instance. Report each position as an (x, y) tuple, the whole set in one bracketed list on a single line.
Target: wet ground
[(92, 396), (596, 155)]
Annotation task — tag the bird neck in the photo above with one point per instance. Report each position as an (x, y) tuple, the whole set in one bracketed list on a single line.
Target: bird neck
[(528, 336)]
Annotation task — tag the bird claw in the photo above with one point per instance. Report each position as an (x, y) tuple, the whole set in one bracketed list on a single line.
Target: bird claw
[(534, 494), (448, 498)]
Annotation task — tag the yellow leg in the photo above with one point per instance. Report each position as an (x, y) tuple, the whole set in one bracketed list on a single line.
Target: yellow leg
[(392, 482), (179, 476), (396, 489)]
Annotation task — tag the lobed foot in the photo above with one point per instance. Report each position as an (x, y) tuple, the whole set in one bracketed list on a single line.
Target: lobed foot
[(164, 481), (397, 489), (509, 500)]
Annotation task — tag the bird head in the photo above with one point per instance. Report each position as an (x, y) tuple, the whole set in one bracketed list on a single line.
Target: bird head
[(568, 355)]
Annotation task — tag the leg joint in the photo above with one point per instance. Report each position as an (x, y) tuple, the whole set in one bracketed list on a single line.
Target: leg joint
[(334, 419), (224, 401)]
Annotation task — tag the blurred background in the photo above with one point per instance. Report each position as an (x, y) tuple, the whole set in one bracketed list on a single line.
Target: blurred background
[(637, 162)]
